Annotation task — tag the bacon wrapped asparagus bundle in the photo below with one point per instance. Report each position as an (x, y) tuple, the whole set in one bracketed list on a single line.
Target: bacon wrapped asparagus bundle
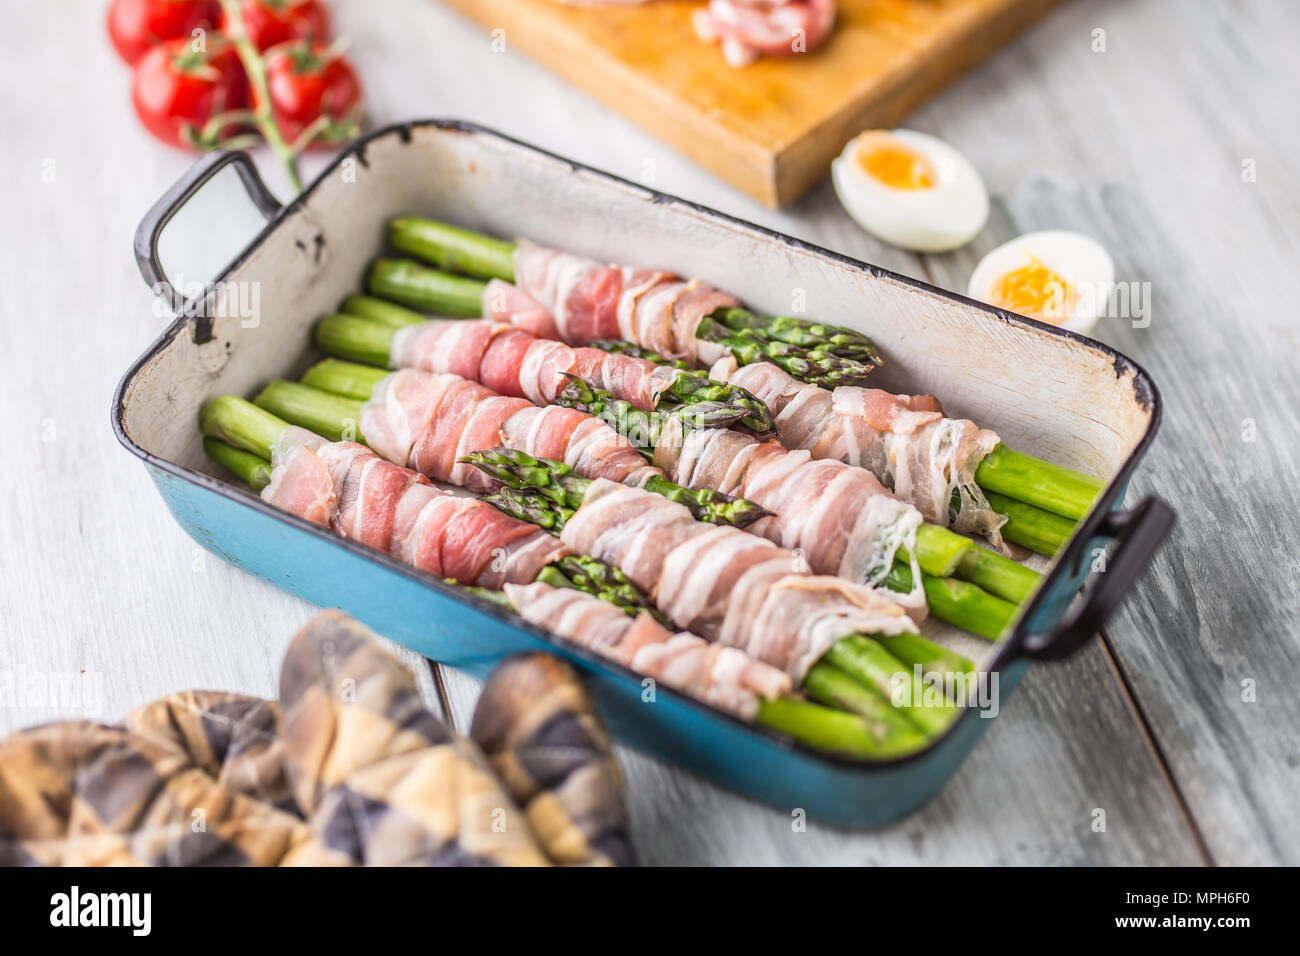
[(723, 676), (344, 486), (841, 517), (513, 361), (662, 307), (905, 441), (743, 591), (561, 295), (428, 422)]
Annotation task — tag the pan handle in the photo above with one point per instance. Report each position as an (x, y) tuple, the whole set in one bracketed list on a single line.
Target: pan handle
[(156, 219), (1137, 533)]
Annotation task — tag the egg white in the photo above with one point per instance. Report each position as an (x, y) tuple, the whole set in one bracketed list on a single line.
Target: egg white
[(946, 216), (1080, 260)]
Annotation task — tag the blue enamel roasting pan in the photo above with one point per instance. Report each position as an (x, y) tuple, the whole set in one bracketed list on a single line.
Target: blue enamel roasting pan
[(1051, 393)]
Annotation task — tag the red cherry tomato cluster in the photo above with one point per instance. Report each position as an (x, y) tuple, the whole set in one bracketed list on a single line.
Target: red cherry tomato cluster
[(211, 73)]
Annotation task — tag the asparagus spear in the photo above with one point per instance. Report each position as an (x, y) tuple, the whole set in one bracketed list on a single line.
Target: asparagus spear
[(425, 289), (531, 507), (381, 310), (584, 573), (348, 379), (958, 602), (496, 597), (830, 685), (354, 338), (249, 468), (803, 332), (869, 660), (1031, 527), (640, 427), (837, 732), (240, 437), (996, 574), (636, 351), (556, 482), (334, 416), (1060, 490), (454, 249), (817, 367), (914, 650)]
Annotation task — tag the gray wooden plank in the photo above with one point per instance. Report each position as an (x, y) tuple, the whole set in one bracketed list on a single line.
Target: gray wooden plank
[(1064, 748), (1174, 108)]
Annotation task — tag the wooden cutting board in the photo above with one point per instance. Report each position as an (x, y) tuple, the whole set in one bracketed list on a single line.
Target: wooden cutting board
[(773, 127)]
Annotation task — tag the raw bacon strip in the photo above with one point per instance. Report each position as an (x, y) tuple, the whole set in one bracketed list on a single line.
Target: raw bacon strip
[(509, 303), (801, 617), (347, 487), (522, 560), (723, 676), (722, 583), (840, 518), (651, 308), (579, 293), (905, 441), (750, 28), (301, 483), (514, 362), (429, 421)]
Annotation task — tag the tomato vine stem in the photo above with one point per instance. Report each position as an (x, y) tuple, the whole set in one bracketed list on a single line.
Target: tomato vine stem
[(263, 117)]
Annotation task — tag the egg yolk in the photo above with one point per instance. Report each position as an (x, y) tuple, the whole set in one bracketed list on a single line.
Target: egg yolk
[(1036, 291), (887, 160)]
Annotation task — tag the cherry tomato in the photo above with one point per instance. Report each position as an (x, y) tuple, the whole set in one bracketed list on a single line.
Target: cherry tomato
[(271, 22), (307, 82), (135, 26), (177, 90)]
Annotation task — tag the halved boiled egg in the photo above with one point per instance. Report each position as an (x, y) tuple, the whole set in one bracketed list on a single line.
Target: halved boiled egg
[(1063, 278), (911, 190)]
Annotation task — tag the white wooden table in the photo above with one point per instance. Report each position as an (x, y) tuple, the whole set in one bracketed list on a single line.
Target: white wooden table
[(1182, 724)]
